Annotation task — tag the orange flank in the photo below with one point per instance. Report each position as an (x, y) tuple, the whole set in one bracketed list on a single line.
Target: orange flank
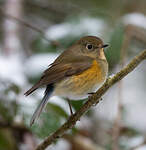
[(93, 73), (88, 78)]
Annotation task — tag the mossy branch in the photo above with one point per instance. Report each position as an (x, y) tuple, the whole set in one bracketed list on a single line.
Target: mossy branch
[(92, 100)]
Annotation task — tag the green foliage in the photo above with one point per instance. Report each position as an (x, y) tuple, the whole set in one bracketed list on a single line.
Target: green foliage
[(50, 120), (113, 51), (7, 142), (77, 104), (40, 45), (47, 123), (1, 1), (8, 111), (57, 110), (12, 88), (8, 105), (33, 79)]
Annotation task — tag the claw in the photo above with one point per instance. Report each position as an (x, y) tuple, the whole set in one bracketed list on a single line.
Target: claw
[(91, 93)]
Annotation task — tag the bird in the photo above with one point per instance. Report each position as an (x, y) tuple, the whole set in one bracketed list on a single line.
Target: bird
[(77, 72)]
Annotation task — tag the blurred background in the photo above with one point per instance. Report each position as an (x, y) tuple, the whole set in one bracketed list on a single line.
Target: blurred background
[(32, 34)]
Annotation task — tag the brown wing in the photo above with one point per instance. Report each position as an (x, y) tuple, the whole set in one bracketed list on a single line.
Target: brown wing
[(59, 71)]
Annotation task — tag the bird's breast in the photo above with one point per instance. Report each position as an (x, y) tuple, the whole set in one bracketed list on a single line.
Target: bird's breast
[(77, 86)]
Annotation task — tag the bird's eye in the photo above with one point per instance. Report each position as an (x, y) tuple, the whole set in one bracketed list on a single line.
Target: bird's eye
[(89, 46)]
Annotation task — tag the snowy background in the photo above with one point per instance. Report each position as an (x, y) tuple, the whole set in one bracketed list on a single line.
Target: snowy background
[(25, 54)]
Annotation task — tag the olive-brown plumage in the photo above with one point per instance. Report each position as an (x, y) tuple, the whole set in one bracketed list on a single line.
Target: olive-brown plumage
[(79, 70)]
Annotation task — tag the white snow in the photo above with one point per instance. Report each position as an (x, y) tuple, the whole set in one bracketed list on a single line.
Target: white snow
[(133, 99), (12, 69), (60, 145), (90, 26), (36, 64), (137, 19), (58, 31)]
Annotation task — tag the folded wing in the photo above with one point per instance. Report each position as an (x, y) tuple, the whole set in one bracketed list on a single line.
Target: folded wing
[(59, 71)]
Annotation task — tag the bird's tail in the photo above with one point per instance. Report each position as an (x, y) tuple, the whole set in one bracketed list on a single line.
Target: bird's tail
[(42, 104)]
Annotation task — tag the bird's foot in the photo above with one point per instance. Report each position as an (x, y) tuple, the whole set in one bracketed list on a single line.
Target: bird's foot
[(91, 93)]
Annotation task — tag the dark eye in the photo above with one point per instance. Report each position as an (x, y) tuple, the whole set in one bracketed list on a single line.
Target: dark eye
[(89, 46)]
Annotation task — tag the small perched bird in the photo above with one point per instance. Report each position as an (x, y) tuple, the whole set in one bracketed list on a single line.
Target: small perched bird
[(78, 71)]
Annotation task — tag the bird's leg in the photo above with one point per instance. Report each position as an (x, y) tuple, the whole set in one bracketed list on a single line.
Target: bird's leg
[(70, 107)]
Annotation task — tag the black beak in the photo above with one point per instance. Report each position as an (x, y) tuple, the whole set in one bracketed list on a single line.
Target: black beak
[(105, 45)]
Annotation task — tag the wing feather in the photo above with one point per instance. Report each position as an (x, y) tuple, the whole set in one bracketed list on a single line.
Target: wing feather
[(59, 71)]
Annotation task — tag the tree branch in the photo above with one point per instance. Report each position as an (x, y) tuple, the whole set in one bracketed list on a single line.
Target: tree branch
[(92, 100), (14, 126)]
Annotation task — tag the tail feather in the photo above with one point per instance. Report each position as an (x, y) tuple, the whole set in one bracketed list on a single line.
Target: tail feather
[(40, 107)]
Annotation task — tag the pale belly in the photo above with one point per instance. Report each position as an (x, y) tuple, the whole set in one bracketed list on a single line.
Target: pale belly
[(76, 90), (78, 86)]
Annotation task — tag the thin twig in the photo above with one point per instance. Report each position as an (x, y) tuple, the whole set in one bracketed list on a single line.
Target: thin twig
[(15, 127), (92, 100), (117, 123), (25, 24)]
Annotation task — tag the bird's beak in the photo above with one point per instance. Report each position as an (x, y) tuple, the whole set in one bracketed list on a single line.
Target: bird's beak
[(105, 45)]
